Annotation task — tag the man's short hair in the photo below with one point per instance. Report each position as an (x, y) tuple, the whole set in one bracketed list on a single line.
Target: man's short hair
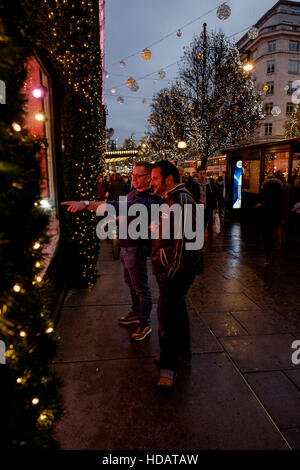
[(147, 165), (167, 168)]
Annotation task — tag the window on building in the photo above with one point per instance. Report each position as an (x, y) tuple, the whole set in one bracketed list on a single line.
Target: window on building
[(293, 66), (289, 108), (268, 128), (291, 90), (270, 90), (294, 46), (271, 46), (270, 66), (254, 54), (268, 108)]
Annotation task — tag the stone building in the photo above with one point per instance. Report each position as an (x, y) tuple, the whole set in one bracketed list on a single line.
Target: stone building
[(275, 54)]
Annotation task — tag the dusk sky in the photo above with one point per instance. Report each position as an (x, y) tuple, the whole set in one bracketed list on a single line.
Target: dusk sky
[(133, 25)]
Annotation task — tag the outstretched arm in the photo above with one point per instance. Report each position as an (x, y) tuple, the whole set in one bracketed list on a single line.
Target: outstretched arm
[(74, 206)]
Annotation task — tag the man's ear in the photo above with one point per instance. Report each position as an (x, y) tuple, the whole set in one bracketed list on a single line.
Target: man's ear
[(169, 180)]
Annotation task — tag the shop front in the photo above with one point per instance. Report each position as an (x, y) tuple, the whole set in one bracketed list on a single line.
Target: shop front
[(248, 167)]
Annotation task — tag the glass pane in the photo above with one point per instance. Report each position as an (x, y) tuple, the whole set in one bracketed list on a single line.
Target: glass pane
[(296, 164), (276, 161), (251, 171)]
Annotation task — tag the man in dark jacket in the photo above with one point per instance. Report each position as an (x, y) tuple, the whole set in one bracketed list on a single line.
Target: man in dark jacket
[(207, 196), (175, 268)]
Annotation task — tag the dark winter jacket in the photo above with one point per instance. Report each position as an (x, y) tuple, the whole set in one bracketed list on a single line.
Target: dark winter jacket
[(170, 255)]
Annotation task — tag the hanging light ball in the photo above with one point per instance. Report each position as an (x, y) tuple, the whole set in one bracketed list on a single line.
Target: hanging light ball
[(134, 86), (223, 12), (122, 64), (200, 56), (113, 90), (146, 54), (266, 88), (144, 101), (179, 33), (129, 82), (276, 110), (120, 99), (161, 74), (253, 33)]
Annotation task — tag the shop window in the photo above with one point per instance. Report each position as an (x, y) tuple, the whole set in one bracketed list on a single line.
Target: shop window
[(268, 128), (275, 161), (38, 122), (296, 164), (251, 172)]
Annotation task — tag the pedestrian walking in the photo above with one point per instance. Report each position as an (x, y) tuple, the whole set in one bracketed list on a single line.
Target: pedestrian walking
[(220, 189), (175, 268), (133, 252)]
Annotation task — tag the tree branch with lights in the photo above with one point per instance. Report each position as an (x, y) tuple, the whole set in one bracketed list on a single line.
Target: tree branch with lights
[(217, 103)]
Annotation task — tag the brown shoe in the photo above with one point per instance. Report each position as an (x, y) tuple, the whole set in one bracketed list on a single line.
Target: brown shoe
[(141, 332)]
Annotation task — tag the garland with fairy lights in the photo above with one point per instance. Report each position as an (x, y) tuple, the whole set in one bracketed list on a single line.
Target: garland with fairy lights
[(33, 401), (75, 53)]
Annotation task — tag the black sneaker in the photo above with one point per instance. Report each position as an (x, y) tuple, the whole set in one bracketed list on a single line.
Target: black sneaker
[(141, 332), (129, 319)]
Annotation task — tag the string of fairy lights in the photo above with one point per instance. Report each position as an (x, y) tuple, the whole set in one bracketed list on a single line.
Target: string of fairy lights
[(223, 12)]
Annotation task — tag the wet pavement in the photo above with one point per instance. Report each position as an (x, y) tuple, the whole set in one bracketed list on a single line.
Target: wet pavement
[(242, 391)]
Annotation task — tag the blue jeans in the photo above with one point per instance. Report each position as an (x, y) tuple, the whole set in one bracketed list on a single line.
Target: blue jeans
[(173, 320), (134, 263)]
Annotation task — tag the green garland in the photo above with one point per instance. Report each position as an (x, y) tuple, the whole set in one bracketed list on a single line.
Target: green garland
[(67, 32), (33, 404)]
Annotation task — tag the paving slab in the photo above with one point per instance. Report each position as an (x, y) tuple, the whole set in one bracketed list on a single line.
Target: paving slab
[(293, 437), (260, 353), (279, 395), (294, 375), (115, 405), (223, 324), (91, 333), (259, 322), (220, 302)]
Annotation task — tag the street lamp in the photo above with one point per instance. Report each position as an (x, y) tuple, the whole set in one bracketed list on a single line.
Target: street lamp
[(248, 66)]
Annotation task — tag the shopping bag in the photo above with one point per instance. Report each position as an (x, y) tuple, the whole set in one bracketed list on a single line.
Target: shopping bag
[(216, 223)]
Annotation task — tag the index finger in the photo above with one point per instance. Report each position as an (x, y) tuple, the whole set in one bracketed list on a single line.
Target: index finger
[(66, 203)]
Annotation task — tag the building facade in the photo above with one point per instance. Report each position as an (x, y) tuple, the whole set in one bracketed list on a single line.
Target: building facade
[(275, 54)]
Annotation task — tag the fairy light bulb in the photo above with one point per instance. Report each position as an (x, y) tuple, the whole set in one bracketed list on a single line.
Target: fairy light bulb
[(36, 246), (38, 278), (40, 117), (35, 401), (23, 334), (37, 264), (49, 330), (17, 288), (16, 127)]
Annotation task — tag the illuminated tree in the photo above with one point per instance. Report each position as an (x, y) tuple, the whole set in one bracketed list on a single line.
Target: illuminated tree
[(292, 124), (214, 102)]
